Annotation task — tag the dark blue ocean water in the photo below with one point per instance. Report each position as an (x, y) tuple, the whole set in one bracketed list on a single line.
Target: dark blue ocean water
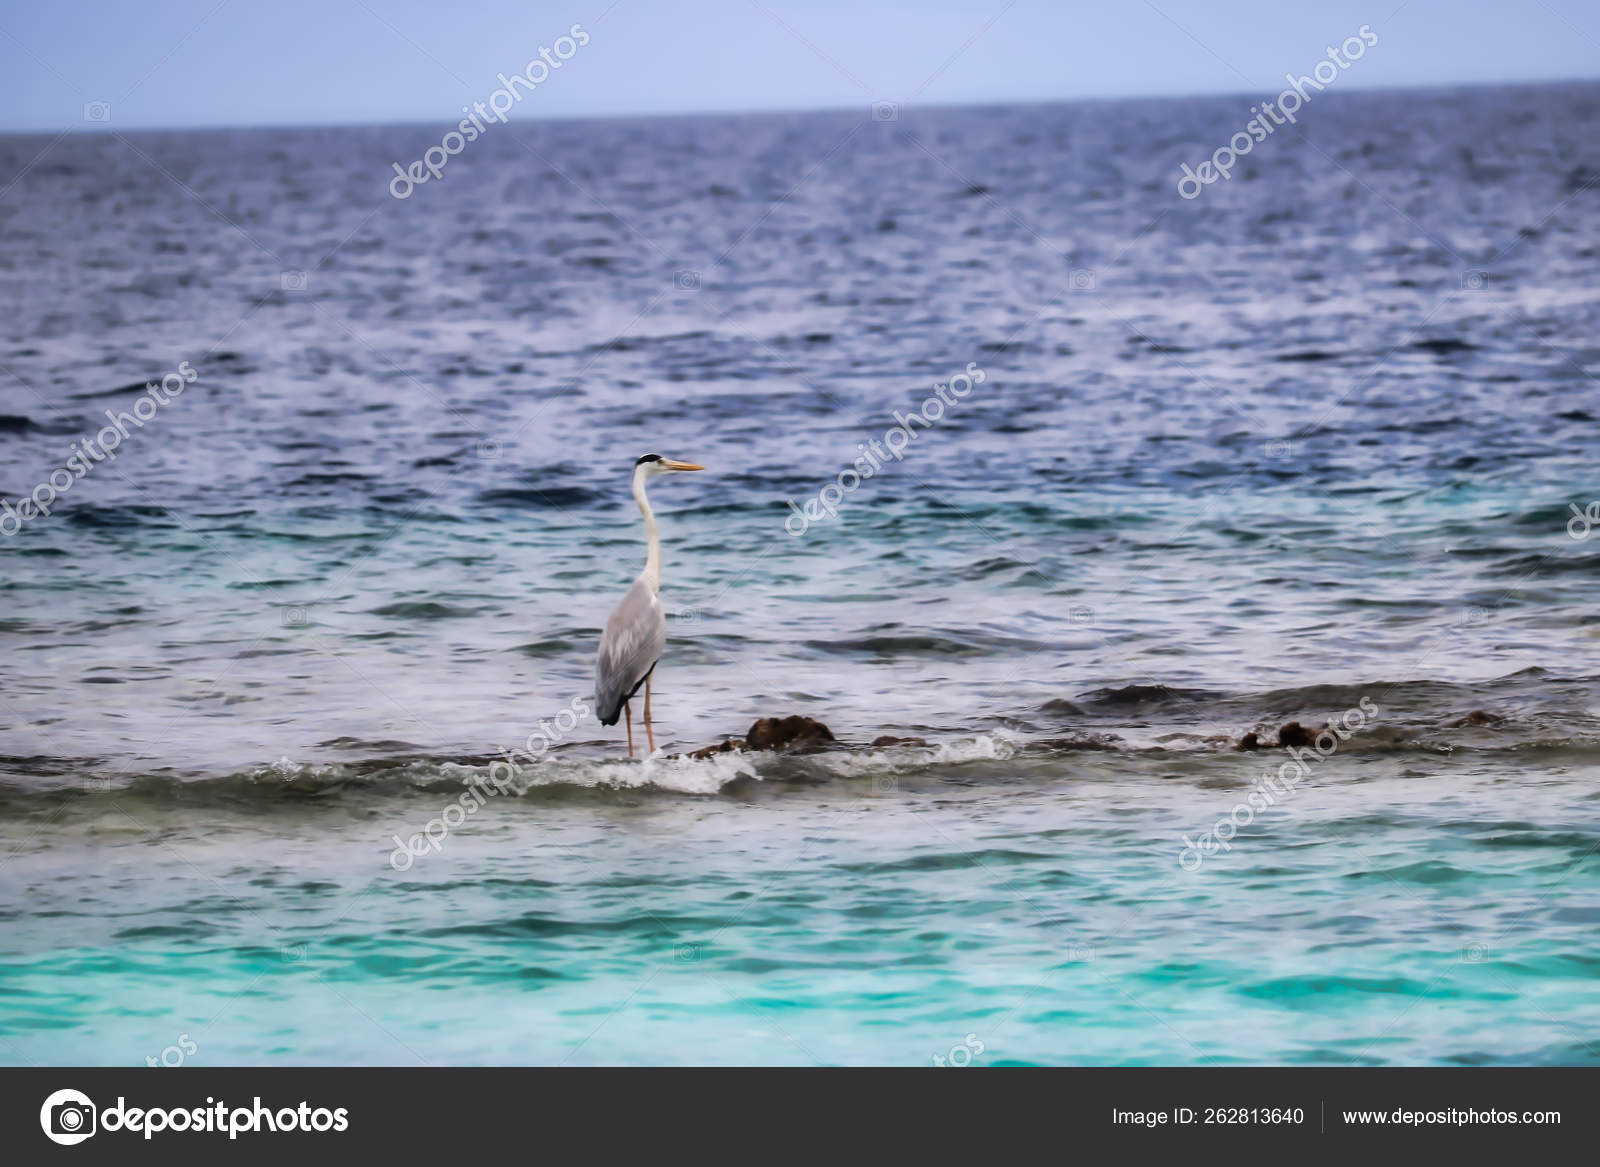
[(1324, 435)]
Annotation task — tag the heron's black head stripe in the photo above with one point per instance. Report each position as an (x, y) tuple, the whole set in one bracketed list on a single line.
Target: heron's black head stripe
[(648, 458)]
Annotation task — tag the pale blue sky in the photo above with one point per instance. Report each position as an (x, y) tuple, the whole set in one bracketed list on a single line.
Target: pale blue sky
[(243, 62)]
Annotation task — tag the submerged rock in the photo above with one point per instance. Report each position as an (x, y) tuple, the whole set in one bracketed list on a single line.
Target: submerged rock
[(1293, 734), (1478, 717), (890, 740), (776, 733), (1085, 741)]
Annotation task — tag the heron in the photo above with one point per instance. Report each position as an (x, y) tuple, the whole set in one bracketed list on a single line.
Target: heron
[(636, 633)]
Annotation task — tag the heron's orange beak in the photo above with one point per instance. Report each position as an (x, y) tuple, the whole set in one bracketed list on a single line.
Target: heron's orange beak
[(672, 464)]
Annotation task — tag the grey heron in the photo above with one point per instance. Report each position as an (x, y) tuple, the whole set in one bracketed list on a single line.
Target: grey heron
[(636, 634)]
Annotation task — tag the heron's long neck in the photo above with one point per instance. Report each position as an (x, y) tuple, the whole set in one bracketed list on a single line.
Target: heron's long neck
[(652, 565)]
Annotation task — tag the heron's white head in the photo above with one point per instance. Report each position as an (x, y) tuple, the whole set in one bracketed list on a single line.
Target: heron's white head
[(654, 465)]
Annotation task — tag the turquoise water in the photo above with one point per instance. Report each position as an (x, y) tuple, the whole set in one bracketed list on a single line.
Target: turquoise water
[(1274, 459), (1029, 905)]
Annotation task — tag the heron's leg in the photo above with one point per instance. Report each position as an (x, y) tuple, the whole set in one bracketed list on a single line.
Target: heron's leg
[(627, 710), (649, 733)]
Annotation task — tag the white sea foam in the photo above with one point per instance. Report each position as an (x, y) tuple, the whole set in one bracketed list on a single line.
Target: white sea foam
[(679, 773), (685, 775)]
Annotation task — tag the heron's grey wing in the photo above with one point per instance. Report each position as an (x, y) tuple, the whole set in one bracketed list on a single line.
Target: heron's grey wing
[(634, 639)]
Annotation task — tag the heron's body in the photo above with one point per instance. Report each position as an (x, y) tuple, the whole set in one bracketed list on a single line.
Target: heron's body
[(634, 639), (636, 634)]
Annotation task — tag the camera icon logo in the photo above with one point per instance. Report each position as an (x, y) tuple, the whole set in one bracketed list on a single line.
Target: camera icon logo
[(97, 111), (1474, 281), (686, 281), (68, 1117), (1083, 279), (885, 111), (294, 617), (294, 281)]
